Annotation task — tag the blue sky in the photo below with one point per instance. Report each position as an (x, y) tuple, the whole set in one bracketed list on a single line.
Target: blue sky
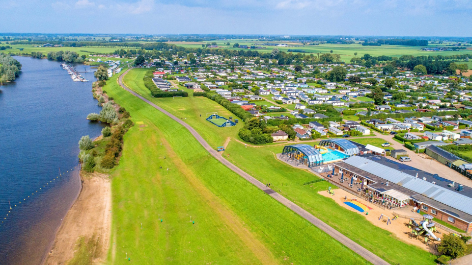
[(288, 17)]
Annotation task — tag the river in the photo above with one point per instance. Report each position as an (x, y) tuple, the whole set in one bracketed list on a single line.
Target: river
[(42, 117)]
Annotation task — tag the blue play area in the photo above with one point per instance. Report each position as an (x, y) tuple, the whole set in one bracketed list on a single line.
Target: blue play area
[(220, 121), (354, 206)]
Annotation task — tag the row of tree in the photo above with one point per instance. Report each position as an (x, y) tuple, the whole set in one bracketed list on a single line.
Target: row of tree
[(66, 56)]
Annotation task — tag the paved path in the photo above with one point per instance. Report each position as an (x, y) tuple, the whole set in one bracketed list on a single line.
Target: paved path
[(369, 256)]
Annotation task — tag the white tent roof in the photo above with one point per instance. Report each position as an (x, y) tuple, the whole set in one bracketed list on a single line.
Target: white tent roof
[(397, 195), (375, 149)]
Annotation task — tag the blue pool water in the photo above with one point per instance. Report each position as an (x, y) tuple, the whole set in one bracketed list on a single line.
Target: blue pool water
[(333, 155), (354, 206)]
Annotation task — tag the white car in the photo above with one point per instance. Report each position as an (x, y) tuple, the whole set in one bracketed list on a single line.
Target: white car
[(405, 159), (385, 144)]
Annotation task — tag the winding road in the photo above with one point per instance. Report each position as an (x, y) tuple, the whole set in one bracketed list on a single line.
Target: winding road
[(369, 256)]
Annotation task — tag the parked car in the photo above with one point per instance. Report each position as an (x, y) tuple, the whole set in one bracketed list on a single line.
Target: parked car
[(393, 133), (346, 136), (405, 159), (385, 144)]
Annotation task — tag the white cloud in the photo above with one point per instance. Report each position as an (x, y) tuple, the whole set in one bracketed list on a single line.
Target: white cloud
[(60, 6), (140, 7), (84, 4), (292, 4)]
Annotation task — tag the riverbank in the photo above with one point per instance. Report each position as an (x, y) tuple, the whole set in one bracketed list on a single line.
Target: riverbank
[(86, 227)]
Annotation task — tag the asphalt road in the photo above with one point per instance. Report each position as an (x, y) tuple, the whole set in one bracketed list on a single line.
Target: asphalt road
[(369, 256)]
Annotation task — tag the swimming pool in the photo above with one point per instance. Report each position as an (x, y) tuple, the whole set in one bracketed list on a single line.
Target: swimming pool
[(354, 206), (333, 155)]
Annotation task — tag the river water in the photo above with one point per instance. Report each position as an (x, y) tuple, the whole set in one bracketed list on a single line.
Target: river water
[(42, 117)]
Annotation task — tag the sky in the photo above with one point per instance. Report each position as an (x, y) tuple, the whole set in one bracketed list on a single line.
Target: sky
[(268, 17)]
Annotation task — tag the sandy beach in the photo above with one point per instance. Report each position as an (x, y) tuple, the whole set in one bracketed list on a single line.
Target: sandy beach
[(89, 219)]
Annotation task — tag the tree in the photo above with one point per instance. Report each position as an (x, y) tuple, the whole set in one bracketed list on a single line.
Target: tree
[(378, 96), (274, 52), (331, 51), (452, 246), (106, 131), (399, 96), (354, 79), (355, 54), (139, 60), (372, 81), (236, 45), (389, 82), (89, 162), (298, 68), (462, 68), (101, 73), (338, 74), (388, 69), (85, 143), (420, 69)]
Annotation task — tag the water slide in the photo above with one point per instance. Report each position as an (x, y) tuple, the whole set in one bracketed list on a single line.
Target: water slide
[(425, 227)]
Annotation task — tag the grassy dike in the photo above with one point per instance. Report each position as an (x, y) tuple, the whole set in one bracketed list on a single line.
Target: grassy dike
[(234, 221), (261, 163)]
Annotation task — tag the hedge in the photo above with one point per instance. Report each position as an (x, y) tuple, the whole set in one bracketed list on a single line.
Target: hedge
[(401, 138), (234, 108), (199, 94), (410, 146)]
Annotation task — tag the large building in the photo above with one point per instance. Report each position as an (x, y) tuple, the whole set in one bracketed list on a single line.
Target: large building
[(398, 184)]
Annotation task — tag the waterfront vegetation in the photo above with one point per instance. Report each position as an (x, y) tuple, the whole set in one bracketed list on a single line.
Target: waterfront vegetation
[(9, 68), (209, 214), (261, 163), (104, 153)]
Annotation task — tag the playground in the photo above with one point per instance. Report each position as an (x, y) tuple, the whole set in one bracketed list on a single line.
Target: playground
[(221, 121), (397, 222)]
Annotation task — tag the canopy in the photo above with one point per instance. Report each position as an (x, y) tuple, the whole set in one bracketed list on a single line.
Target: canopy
[(375, 149), (397, 195)]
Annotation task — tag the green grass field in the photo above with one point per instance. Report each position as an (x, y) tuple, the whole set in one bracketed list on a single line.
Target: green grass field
[(373, 141), (261, 163), (87, 50), (166, 174), (346, 51), (218, 121)]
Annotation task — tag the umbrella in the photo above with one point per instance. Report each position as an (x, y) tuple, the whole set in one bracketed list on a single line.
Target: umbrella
[(427, 216)]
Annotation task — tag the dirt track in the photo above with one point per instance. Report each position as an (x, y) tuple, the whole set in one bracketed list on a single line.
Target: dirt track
[(89, 216)]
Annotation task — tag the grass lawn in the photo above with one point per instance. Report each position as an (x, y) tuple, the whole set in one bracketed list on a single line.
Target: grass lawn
[(364, 99), (373, 141), (261, 163), (189, 109), (235, 223), (262, 103), (351, 117)]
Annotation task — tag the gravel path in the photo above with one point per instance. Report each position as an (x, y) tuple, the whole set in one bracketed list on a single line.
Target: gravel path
[(369, 256)]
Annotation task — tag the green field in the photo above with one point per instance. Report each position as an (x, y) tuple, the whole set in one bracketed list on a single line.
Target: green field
[(373, 141), (261, 163), (345, 50), (164, 173), (87, 50), (218, 121)]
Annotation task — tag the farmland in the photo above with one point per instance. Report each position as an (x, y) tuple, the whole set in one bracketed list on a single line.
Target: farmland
[(347, 51)]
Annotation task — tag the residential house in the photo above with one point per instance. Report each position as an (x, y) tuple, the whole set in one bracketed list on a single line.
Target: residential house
[(279, 136)]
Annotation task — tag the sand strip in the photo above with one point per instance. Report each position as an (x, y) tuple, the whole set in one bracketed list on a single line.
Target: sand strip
[(89, 216)]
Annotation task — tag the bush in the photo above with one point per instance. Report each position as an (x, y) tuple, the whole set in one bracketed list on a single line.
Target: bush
[(443, 259), (199, 94), (89, 163), (128, 124), (85, 143), (108, 161), (234, 108), (106, 131), (108, 113), (410, 146), (121, 110), (102, 83), (93, 117), (349, 112), (126, 115), (452, 246)]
